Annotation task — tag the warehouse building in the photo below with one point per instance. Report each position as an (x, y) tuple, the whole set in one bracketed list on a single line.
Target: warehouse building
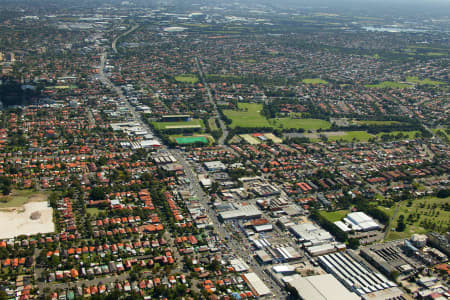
[(353, 274), (357, 221), (319, 287), (263, 257)]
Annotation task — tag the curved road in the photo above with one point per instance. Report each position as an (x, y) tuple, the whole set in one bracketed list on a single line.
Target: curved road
[(114, 43)]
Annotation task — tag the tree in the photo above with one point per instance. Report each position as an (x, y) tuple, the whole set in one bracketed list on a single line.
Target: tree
[(400, 226), (353, 243), (98, 193)]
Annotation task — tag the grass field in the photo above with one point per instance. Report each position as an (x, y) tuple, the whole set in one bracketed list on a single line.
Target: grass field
[(436, 54), (186, 78), (415, 79), (361, 136), (20, 197), (222, 76), (443, 134), (334, 216), (376, 122), (248, 115), (420, 216), (409, 134), (314, 81), (62, 87), (389, 84), (92, 210), (212, 124), (172, 125)]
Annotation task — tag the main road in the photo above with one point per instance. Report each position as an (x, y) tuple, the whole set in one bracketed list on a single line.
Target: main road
[(197, 190), (222, 125)]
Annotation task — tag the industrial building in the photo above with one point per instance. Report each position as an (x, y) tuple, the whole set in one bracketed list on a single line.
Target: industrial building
[(357, 221), (311, 235), (319, 287), (391, 256), (353, 274)]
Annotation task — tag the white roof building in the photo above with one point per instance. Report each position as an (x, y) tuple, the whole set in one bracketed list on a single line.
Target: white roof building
[(320, 287), (256, 285), (310, 233), (359, 221)]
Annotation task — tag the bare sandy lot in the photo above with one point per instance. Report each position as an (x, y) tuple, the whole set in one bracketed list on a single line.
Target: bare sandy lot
[(17, 222), (250, 139)]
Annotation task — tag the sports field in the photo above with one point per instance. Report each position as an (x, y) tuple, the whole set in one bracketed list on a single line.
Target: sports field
[(191, 140)]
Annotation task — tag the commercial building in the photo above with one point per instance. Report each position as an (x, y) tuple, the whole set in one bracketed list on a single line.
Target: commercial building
[(215, 166), (175, 118), (256, 285), (241, 212)]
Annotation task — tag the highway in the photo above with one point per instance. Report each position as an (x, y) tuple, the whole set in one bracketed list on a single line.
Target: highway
[(114, 43)]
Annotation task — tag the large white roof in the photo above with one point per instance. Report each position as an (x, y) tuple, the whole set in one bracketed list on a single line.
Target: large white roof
[(320, 287)]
